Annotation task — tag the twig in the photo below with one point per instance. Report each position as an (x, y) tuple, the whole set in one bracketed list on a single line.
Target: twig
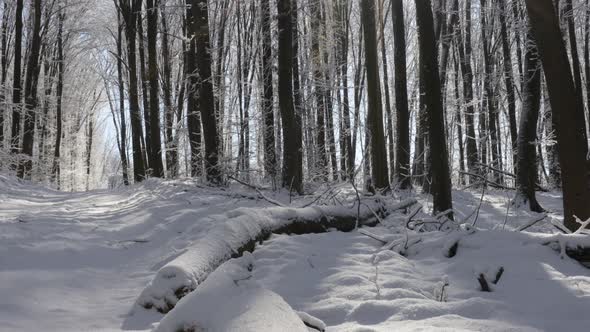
[(486, 181), (317, 198), (560, 227), (583, 224), (483, 283), (373, 236), (498, 275), (358, 198), (375, 214), (412, 214), (483, 191), (496, 169), (531, 223), (270, 200)]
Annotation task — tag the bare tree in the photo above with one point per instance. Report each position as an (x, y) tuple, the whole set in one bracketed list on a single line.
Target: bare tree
[(441, 181), (206, 102), (378, 153), (292, 147), (566, 110)]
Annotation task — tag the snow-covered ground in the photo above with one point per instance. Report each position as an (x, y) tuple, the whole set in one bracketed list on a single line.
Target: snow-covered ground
[(78, 262)]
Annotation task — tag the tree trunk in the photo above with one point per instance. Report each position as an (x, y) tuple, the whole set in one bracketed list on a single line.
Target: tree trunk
[(89, 136), (464, 47), (577, 71), (508, 79), (169, 123), (16, 82), (587, 59), (59, 93), (3, 70), (130, 11), (268, 132), (121, 86), (192, 103), (298, 94), (488, 102), (526, 167), (378, 154), (292, 148), (155, 154), (402, 166), (206, 102), (319, 94), (388, 111), (571, 136), (31, 79), (429, 77), (346, 150), (459, 122), (144, 80)]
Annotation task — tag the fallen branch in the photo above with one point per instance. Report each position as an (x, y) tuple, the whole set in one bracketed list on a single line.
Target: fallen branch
[(531, 223), (491, 183), (270, 200), (575, 246), (373, 236), (583, 225)]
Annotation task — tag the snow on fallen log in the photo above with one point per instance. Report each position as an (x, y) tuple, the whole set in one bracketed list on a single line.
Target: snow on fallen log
[(576, 246), (239, 230), (230, 301)]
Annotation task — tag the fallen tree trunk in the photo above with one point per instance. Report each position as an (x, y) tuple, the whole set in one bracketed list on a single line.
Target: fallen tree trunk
[(576, 246), (240, 230)]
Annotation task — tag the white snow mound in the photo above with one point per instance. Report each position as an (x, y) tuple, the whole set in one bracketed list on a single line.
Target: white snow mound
[(229, 301)]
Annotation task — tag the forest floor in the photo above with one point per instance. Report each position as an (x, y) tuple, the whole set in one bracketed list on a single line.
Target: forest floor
[(78, 261)]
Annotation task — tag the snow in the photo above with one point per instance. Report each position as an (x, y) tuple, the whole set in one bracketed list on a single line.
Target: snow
[(347, 282), (79, 262), (246, 305), (233, 232)]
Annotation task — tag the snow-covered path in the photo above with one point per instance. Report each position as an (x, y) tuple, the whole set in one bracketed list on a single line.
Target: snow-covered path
[(78, 261), (75, 262)]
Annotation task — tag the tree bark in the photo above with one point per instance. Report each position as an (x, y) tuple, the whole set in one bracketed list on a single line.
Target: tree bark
[(56, 173), (192, 103), (170, 141), (145, 96), (402, 165), (3, 70), (130, 9), (31, 79), (319, 86), (429, 78), (464, 47), (16, 82), (206, 101), (155, 153), (508, 79), (587, 59), (577, 71), (388, 111), (526, 168), (488, 102), (268, 132), (378, 153), (292, 148), (571, 136), (347, 152)]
